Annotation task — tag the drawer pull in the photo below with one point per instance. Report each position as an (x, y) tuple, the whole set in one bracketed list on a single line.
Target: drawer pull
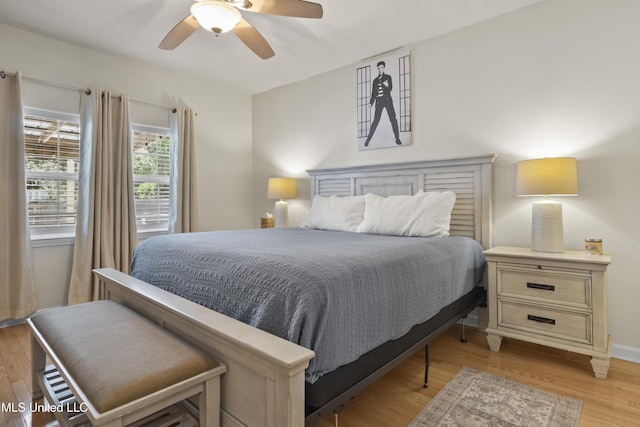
[(541, 286), (541, 319)]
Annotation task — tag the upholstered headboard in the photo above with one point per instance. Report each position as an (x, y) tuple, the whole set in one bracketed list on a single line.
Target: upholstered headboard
[(470, 178)]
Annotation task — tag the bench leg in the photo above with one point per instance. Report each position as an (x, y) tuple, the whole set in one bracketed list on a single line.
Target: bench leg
[(210, 403), (38, 362)]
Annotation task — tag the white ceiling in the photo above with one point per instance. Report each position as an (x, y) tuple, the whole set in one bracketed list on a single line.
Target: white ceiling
[(350, 30)]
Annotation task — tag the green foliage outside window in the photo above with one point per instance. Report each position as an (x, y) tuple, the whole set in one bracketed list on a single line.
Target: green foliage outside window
[(152, 160)]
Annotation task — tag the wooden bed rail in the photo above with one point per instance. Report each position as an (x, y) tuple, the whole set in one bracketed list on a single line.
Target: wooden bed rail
[(264, 383)]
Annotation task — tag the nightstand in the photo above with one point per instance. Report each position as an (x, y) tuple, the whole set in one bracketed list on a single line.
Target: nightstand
[(553, 299)]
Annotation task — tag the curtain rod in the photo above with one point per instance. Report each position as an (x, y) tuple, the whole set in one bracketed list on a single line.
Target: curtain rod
[(173, 109), (4, 74)]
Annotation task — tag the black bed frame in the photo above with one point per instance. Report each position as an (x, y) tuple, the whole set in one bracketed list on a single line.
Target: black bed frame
[(330, 393)]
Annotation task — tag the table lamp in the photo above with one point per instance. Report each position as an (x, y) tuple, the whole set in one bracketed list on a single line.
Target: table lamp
[(547, 177), (281, 188)]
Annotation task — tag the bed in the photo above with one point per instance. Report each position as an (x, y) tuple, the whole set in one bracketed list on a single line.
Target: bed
[(269, 371)]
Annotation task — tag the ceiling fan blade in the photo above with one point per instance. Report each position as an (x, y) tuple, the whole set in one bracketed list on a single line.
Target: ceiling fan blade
[(294, 8), (253, 39), (179, 33)]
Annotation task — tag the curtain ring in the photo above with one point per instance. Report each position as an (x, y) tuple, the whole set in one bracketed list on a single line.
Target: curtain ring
[(174, 110), (3, 75)]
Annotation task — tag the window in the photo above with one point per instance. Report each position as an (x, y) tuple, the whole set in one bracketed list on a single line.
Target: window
[(52, 157), (52, 151), (151, 163)]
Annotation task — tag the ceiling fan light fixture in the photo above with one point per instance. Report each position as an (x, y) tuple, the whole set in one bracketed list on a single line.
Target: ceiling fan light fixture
[(215, 16)]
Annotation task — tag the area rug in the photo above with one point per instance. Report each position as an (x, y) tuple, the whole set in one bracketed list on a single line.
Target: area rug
[(475, 398)]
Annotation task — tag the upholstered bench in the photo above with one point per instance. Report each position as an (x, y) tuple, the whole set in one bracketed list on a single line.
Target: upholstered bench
[(119, 365)]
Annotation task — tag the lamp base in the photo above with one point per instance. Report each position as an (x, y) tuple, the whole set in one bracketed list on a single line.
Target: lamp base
[(281, 214), (547, 234)]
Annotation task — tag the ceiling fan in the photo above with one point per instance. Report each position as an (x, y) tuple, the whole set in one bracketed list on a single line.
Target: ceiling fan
[(220, 16)]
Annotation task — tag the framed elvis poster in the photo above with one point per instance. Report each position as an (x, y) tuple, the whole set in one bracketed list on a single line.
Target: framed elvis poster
[(384, 102)]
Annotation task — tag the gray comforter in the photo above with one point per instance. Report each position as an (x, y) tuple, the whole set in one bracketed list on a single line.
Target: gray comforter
[(339, 294)]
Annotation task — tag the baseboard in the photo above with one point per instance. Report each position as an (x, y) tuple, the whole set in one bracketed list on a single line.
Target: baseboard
[(471, 320), (625, 352), (11, 322)]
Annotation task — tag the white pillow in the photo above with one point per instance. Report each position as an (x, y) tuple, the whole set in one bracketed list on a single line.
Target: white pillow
[(425, 214), (338, 213)]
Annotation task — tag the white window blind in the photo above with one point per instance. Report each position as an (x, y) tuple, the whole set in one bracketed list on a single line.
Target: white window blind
[(52, 150), (151, 163)]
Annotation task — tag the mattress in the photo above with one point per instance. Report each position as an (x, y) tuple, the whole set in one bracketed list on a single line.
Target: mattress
[(339, 294)]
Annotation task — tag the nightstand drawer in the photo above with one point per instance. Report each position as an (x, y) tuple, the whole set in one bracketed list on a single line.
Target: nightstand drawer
[(556, 323), (550, 287)]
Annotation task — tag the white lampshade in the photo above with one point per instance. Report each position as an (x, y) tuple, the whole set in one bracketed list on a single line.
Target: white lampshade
[(281, 188), (547, 177), (213, 15)]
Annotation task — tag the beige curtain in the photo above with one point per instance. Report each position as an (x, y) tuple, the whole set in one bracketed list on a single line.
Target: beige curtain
[(106, 226), (183, 201), (17, 290)]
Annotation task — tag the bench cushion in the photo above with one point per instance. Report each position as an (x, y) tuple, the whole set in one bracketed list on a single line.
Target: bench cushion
[(116, 355)]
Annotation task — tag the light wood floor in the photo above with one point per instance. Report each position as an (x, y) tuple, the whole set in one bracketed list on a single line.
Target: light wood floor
[(398, 397)]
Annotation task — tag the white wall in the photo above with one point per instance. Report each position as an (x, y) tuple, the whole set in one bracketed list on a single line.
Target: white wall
[(559, 78), (223, 129)]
